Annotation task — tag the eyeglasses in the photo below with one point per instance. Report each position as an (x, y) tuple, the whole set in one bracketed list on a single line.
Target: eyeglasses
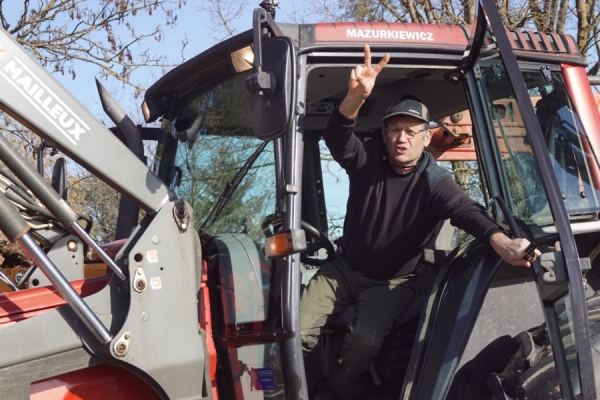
[(395, 132)]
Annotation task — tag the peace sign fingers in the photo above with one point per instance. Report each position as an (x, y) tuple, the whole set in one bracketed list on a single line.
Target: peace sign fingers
[(361, 83), (367, 56), (382, 63), (377, 69)]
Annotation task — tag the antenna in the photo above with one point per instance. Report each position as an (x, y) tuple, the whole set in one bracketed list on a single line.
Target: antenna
[(269, 6)]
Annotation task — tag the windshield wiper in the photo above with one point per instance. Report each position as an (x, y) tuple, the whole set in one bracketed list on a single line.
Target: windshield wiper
[(231, 186)]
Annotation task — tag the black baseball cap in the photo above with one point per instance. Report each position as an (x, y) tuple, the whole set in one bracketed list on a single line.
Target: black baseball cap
[(411, 107)]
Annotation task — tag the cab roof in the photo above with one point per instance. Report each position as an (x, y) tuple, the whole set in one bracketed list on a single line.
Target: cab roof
[(423, 44)]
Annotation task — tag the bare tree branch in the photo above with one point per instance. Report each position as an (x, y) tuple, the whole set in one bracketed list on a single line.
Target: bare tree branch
[(59, 32), (392, 10), (223, 13)]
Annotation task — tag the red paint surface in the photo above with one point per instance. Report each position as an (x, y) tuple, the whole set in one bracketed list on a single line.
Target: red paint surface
[(391, 33), (17, 306), (101, 382)]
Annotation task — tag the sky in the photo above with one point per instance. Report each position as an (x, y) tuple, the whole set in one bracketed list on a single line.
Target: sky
[(195, 25)]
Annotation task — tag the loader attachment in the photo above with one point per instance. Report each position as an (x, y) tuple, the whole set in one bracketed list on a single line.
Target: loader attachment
[(145, 318), (33, 97)]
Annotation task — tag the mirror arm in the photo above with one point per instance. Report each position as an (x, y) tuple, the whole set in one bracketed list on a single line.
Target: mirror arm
[(260, 82), (269, 6)]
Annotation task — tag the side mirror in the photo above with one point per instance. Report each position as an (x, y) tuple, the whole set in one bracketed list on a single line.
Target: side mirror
[(272, 84)]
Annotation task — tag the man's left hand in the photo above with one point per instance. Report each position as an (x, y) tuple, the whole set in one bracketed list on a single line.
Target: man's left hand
[(513, 251)]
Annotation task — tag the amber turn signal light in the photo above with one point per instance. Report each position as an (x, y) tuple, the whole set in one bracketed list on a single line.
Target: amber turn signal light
[(285, 243)]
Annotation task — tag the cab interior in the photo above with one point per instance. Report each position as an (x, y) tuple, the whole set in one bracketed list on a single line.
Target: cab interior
[(329, 84), (327, 87)]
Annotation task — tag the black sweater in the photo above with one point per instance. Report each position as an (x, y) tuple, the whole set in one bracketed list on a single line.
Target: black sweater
[(390, 217)]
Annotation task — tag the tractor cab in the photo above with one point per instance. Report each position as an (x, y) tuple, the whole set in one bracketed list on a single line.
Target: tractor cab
[(243, 204), (515, 106)]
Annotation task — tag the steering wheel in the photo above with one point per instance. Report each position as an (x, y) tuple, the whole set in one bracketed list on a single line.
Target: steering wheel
[(322, 241)]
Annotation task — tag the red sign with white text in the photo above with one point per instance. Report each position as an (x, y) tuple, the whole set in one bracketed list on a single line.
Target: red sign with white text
[(391, 33)]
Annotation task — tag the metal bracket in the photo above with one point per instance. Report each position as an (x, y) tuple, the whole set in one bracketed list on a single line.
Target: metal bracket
[(121, 346), (269, 6), (545, 70), (455, 76), (496, 70), (139, 281), (181, 214), (290, 189), (547, 261)]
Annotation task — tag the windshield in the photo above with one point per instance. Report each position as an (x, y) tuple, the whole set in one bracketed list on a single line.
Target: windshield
[(573, 161), (223, 200)]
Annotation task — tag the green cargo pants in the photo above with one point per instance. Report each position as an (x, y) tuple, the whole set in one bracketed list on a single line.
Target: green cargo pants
[(379, 306)]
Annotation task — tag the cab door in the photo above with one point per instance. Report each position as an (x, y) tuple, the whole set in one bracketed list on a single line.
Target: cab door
[(520, 176), (511, 161)]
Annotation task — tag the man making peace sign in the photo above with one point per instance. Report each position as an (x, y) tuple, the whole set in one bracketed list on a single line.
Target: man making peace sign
[(398, 195)]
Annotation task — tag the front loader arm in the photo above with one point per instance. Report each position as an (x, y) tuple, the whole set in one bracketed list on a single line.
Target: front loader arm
[(146, 319), (33, 97)]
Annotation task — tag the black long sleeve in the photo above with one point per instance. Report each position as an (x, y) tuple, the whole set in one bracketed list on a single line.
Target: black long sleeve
[(390, 217)]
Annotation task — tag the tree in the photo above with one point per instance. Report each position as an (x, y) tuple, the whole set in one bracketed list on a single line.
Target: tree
[(64, 35), (60, 32), (223, 14), (588, 19)]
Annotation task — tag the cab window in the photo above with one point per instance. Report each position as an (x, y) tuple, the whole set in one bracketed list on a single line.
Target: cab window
[(573, 161), (227, 175)]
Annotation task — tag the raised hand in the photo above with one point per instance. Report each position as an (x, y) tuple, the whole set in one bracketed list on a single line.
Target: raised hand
[(362, 78), (362, 81)]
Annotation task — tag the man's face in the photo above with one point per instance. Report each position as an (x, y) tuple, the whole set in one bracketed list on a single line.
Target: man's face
[(405, 137)]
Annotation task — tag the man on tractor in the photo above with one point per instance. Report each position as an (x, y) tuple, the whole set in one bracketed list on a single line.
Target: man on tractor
[(398, 195)]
